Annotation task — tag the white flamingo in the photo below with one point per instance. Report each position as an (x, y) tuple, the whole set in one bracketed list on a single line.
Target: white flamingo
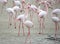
[(56, 12), (17, 3), (3, 2), (11, 15)]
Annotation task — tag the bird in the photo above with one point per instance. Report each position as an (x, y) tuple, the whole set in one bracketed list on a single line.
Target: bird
[(21, 18), (41, 15), (41, 18), (33, 8), (16, 9), (16, 3), (3, 2), (56, 12), (11, 15), (56, 20), (28, 24)]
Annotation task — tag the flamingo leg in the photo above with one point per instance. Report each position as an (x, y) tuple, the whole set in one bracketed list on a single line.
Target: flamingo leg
[(40, 25), (56, 24), (10, 20), (56, 28), (44, 23), (19, 29), (23, 29), (28, 36), (15, 20)]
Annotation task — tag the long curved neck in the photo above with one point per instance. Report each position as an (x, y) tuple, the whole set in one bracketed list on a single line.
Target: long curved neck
[(46, 7), (26, 10)]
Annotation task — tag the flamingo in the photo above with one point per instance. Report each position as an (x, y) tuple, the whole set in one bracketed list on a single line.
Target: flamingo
[(33, 8), (22, 18), (16, 3), (29, 25), (3, 2), (56, 12), (56, 20), (11, 14), (42, 14), (16, 9)]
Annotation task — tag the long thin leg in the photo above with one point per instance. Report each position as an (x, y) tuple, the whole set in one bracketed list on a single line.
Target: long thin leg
[(15, 20), (19, 29), (40, 25), (10, 20), (28, 36), (56, 28), (23, 29), (43, 23), (31, 17)]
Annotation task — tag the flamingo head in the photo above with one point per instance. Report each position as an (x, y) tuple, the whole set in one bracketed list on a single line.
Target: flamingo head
[(28, 5)]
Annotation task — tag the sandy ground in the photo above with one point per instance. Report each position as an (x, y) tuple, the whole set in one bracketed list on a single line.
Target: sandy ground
[(9, 36)]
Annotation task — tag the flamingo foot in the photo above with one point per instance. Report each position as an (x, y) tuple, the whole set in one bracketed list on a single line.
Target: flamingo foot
[(10, 24), (15, 27), (39, 33)]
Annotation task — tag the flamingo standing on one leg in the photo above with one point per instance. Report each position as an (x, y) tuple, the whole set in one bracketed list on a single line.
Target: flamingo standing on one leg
[(29, 25), (3, 2), (11, 15)]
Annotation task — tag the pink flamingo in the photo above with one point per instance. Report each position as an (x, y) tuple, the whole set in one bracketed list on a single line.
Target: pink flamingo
[(22, 18), (16, 9), (33, 8), (42, 14), (29, 25)]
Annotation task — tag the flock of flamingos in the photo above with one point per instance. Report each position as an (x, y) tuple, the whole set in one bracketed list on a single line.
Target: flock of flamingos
[(28, 7)]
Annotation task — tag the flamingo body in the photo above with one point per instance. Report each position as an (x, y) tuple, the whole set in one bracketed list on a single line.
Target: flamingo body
[(17, 3), (22, 17), (10, 10), (42, 13), (56, 11), (28, 23), (55, 19)]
